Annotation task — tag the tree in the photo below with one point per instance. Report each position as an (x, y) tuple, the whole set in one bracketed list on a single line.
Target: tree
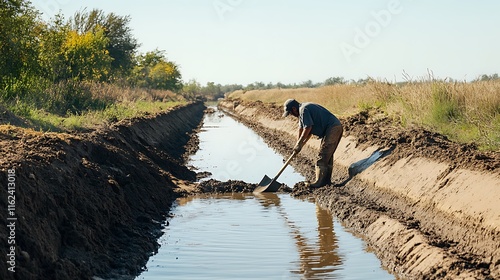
[(165, 75), (10, 65), (307, 84), (485, 77), (191, 89), (280, 85), (260, 85), (212, 91), (231, 88), (334, 81), (51, 56), (86, 55), (121, 45), (18, 41), (153, 70)]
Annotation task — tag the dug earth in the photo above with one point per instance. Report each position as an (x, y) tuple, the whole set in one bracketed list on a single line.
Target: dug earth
[(429, 207), (92, 205)]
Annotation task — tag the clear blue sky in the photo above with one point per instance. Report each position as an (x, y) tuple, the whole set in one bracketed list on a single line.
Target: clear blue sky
[(291, 41)]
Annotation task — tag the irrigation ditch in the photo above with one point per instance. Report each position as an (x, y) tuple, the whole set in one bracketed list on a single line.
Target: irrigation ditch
[(91, 205)]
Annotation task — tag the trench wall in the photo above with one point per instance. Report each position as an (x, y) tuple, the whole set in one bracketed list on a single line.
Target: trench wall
[(460, 208), (92, 204)]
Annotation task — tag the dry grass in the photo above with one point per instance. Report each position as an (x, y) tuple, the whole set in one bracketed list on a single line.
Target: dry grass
[(71, 106), (114, 93), (466, 112), (344, 100)]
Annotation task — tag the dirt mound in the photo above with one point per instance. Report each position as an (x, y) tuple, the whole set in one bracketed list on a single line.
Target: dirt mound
[(300, 189), (92, 204), (373, 128), (214, 186)]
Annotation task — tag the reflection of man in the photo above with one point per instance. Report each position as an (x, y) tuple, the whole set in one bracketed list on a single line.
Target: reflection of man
[(327, 240), (316, 120), (316, 260)]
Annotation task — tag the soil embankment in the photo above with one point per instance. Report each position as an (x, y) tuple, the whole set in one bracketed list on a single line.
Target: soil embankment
[(430, 208), (91, 204)]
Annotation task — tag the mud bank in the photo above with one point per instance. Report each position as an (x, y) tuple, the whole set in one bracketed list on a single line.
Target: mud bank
[(91, 205), (430, 208)]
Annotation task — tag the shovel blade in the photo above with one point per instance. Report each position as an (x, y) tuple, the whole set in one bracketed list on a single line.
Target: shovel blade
[(363, 164), (267, 185)]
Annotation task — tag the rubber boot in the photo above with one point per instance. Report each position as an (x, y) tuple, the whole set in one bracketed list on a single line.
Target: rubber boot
[(321, 172), (328, 175)]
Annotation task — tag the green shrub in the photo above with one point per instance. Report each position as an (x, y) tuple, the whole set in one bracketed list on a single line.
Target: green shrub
[(445, 108)]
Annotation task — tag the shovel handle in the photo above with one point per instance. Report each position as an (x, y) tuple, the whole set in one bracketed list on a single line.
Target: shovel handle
[(285, 165)]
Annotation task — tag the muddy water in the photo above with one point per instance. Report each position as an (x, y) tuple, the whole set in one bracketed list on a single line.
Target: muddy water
[(242, 236)]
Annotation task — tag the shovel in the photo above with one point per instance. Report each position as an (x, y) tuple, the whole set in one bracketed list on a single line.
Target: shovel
[(363, 164), (271, 185)]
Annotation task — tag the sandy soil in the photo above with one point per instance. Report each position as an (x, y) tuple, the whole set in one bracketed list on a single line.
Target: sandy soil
[(429, 207)]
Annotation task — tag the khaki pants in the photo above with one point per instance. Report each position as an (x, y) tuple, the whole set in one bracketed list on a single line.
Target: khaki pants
[(329, 144)]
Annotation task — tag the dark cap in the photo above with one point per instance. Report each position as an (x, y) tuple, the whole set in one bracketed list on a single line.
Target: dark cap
[(289, 104)]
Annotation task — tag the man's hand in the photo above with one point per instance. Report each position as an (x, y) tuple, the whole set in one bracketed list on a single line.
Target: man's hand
[(304, 135), (298, 147)]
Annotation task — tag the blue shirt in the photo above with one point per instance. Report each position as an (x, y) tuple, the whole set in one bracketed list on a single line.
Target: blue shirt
[(317, 117)]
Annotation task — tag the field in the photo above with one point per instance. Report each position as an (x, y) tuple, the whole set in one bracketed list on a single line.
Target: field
[(464, 112), (70, 106)]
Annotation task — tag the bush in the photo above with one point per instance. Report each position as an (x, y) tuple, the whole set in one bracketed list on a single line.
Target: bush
[(70, 97), (445, 108)]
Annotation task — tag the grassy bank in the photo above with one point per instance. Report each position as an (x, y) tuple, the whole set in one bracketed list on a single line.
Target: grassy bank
[(465, 112), (70, 106)]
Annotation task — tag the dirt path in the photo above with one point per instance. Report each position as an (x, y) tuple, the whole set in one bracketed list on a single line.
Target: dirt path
[(430, 208), (92, 204)]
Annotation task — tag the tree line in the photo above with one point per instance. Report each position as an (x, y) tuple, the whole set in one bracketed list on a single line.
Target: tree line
[(212, 91), (38, 56), (42, 61), (91, 46)]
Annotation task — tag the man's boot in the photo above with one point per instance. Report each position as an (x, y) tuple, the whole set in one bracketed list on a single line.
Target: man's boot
[(321, 172), (328, 176)]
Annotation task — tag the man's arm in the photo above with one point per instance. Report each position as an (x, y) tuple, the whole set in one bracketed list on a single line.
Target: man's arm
[(304, 135)]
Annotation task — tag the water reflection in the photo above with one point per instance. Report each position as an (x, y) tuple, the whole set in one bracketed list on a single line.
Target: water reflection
[(236, 196), (316, 260), (231, 151)]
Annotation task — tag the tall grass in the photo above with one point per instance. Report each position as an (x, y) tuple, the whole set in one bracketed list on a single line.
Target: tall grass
[(341, 99), (465, 112), (71, 105)]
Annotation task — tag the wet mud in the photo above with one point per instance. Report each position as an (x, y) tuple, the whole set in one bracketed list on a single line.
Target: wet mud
[(232, 186)]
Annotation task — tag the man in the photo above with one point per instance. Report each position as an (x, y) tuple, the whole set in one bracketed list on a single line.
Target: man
[(316, 120)]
